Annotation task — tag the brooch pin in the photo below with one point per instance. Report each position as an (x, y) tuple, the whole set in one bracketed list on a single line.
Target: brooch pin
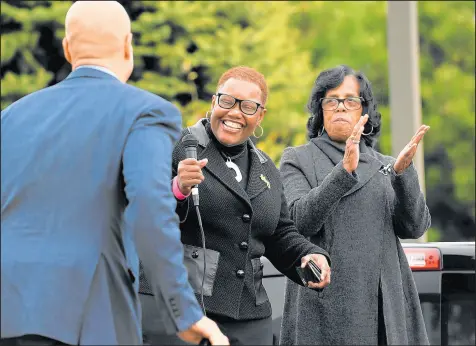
[(266, 181), (385, 170)]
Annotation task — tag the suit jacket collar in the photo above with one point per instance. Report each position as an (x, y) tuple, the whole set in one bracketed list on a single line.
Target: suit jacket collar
[(88, 72), (331, 153), (216, 165)]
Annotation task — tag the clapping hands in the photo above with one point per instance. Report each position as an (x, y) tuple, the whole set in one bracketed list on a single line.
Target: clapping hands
[(406, 155), (352, 150)]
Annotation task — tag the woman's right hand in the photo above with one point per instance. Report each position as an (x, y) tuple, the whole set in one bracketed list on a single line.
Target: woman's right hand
[(352, 153), (189, 173)]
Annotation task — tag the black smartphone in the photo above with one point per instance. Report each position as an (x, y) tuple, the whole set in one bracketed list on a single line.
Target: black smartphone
[(311, 272)]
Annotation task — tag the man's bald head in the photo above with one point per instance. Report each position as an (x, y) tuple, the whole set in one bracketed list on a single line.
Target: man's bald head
[(98, 32)]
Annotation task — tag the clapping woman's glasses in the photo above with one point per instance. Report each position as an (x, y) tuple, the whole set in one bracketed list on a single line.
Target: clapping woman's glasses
[(350, 103)]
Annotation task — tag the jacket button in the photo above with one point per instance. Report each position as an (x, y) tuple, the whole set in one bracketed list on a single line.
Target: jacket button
[(244, 245), (195, 254), (240, 273), (246, 218)]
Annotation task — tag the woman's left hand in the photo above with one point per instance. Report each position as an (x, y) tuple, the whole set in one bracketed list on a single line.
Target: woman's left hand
[(322, 263), (406, 155)]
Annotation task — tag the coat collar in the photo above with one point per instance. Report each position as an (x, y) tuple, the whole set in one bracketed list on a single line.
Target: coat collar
[(88, 72), (216, 165), (331, 153)]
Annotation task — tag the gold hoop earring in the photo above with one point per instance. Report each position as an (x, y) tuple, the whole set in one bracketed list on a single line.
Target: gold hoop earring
[(262, 132), (207, 116)]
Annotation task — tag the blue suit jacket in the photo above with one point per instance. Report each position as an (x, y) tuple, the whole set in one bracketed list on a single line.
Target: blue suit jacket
[(85, 186)]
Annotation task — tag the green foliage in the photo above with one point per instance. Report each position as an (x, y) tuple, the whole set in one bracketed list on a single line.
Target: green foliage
[(434, 234), (447, 86), (18, 46), (223, 35), (355, 35), (182, 48)]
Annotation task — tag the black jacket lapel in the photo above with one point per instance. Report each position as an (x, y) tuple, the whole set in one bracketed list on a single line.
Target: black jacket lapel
[(217, 167), (257, 181), (216, 164)]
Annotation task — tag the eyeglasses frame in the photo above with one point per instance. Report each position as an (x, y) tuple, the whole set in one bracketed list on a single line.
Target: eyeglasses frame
[(218, 95), (339, 101)]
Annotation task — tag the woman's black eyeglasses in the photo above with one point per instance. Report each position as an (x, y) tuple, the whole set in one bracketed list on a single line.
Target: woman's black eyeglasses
[(247, 107), (350, 103)]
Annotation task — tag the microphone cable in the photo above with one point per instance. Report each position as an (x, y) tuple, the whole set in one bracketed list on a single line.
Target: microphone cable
[(196, 203), (190, 143), (204, 257)]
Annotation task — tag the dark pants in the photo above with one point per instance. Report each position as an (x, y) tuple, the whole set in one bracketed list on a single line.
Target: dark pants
[(30, 340), (249, 332)]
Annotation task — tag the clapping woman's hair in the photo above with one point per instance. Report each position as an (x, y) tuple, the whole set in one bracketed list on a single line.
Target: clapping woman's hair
[(330, 79)]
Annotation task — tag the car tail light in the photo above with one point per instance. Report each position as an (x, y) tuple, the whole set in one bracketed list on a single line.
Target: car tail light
[(423, 258)]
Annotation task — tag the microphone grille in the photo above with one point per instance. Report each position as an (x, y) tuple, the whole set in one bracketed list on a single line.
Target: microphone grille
[(189, 141)]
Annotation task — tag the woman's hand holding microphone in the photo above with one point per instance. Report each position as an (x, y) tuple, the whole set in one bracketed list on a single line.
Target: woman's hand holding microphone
[(189, 174)]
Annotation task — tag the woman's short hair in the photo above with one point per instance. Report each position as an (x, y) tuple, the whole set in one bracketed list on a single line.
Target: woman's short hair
[(247, 74), (330, 79)]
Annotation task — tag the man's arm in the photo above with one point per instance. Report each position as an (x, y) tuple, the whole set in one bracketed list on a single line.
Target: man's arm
[(150, 213)]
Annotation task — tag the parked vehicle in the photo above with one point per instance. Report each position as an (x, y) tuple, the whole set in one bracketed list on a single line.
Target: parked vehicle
[(444, 274)]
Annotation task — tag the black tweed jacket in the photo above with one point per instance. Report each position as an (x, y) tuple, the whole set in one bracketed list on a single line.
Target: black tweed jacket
[(240, 226)]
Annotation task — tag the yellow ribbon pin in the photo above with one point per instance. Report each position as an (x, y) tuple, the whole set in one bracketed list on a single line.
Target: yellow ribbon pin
[(266, 181)]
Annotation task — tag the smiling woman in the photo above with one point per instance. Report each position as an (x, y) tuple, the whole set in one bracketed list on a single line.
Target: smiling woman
[(236, 111), (244, 213)]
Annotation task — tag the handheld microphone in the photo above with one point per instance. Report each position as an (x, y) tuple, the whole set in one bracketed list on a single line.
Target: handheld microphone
[(190, 143)]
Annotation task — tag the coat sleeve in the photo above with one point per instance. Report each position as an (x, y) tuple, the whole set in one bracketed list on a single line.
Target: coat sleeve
[(285, 247), (411, 217), (310, 207), (150, 213)]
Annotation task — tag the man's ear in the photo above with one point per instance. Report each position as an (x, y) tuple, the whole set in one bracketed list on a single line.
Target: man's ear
[(128, 51), (67, 53)]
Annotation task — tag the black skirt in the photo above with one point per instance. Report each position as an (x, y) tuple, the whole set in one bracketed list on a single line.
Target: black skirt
[(247, 332)]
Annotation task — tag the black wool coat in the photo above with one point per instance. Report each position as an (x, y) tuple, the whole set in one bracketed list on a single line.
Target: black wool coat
[(240, 226)]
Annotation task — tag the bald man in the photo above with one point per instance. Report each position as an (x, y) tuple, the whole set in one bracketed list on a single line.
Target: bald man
[(86, 191)]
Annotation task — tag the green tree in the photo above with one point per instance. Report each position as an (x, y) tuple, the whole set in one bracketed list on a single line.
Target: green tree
[(193, 43), (24, 65), (181, 49), (447, 45)]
